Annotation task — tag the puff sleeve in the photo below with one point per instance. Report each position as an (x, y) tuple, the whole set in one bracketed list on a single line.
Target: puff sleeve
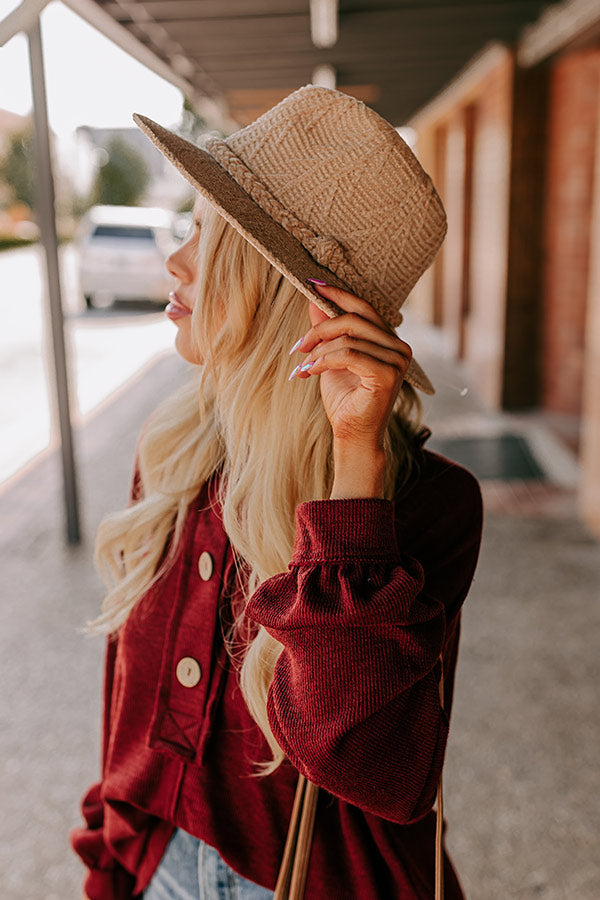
[(354, 701)]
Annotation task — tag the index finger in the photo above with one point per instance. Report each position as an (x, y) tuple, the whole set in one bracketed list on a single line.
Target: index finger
[(348, 302)]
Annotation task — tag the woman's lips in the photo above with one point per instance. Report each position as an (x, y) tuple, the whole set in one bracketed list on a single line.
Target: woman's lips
[(175, 309)]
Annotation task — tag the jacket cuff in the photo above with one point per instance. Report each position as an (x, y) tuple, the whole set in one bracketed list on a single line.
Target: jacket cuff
[(353, 530)]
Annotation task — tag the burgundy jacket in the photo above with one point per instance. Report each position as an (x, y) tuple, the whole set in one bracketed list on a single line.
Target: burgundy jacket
[(371, 598)]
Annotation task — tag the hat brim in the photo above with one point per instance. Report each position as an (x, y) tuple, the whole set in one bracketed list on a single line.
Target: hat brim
[(282, 249)]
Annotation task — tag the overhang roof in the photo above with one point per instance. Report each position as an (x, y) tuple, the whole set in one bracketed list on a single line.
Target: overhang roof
[(246, 54)]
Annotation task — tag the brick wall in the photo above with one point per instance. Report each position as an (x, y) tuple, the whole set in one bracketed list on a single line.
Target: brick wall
[(465, 143), (572, 126), (513, 154), (485, 324), (425, 298), (454, 279)]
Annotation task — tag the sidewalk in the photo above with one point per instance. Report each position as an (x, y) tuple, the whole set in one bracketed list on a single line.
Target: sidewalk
[(455, 412), (521, 778), (50, 673)]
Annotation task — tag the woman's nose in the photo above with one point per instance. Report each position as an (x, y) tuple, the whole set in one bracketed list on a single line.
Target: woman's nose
[(178, 265)]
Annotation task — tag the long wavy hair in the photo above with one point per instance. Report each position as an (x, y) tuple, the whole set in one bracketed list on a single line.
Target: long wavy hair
[(270, 439)]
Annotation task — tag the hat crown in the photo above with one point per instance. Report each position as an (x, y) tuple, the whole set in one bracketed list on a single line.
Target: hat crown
[(347, 175), (324, 188)]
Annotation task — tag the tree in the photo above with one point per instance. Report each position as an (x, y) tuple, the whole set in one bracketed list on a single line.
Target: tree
[(18, 165), (123, 178), (192, 125)]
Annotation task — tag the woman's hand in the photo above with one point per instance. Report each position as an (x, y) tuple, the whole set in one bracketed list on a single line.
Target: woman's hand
[(362, 363)]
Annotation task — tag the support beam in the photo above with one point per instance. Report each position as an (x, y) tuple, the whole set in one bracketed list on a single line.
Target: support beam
[(21, 19), (461, 86), (47, 223), (559, 24), (589, 487)]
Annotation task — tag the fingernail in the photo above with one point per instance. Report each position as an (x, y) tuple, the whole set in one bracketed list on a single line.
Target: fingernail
[(295, 372), (307, 366), (316, 281), (296, 345)]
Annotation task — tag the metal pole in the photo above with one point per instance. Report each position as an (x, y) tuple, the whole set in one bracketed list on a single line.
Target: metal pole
[(47, 223)]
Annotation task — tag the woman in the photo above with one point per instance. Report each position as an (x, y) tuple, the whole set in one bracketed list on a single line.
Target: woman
[(289, 576)]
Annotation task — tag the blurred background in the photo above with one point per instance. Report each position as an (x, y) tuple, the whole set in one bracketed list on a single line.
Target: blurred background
[(499, 99)]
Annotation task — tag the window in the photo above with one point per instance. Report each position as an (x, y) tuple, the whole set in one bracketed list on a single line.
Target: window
[(124, 231)]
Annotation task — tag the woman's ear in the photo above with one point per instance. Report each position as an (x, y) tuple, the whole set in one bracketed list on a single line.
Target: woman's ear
[(316, 315)]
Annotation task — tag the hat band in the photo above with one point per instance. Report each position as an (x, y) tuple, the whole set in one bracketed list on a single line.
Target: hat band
[(323, 248)]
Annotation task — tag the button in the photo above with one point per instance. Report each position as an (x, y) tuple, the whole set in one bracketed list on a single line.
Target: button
[(188, 671), (206, 566)]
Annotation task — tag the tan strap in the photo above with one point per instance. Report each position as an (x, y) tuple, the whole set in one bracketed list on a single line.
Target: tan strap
[(303, 847), (439, 815), (439, 850), (287, 862), (293, 871), (296, 854)]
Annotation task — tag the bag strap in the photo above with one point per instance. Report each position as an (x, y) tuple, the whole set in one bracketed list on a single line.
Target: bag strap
[(294, 865), (293, 871), (439, 815)]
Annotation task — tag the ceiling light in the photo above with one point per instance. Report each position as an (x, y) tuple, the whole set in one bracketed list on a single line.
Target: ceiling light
[(324, 76), (324, 22)]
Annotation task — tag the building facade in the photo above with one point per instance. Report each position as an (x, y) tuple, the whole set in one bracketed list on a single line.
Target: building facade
[(514, 145)]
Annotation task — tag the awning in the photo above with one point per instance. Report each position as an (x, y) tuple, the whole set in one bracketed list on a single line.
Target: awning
[(238, 57)]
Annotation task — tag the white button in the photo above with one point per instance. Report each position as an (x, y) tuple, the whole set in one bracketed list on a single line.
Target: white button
[(188, 671), (206, 566)]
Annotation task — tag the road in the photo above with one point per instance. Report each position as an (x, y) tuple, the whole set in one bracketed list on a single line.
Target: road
[(105, 349)]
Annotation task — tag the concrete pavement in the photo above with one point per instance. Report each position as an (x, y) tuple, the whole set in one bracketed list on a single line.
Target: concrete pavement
[(50, 674), (522, 776)]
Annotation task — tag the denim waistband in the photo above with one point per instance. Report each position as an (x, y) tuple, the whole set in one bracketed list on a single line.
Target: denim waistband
[(192, 870)]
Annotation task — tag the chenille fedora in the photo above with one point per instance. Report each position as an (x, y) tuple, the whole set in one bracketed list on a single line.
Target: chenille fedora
[(324, 188)]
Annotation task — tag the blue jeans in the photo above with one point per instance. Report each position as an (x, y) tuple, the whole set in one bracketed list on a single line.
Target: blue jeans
[(191, 870)]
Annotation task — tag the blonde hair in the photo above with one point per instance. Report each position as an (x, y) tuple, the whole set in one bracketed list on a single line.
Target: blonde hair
[(270, 438)]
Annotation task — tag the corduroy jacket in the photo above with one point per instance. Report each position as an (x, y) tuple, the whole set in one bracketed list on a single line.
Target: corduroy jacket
[(371, 598)]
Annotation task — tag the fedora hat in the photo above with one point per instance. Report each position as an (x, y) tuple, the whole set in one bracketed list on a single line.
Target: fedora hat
[(324, 188)]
